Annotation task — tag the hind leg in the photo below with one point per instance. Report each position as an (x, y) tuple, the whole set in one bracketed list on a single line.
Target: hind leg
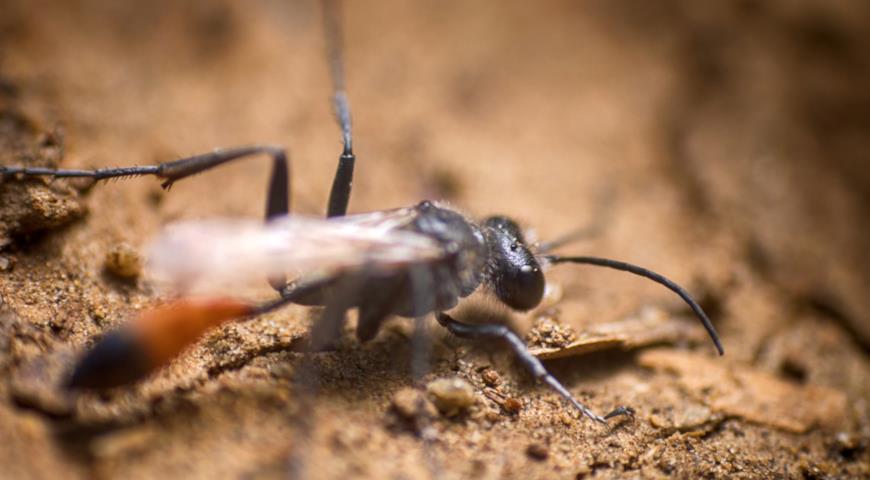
[(277, 200)]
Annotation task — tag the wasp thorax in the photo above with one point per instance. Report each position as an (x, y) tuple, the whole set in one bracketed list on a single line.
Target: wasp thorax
[(515, 274)]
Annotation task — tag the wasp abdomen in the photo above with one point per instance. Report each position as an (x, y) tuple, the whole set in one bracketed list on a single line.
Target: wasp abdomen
[(151, 341)]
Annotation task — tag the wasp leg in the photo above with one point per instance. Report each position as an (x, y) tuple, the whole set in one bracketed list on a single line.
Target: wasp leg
[(329, 326), (339, 196), (464, 330), (379, 303), (278, 198), (337, 296), (277, 202)]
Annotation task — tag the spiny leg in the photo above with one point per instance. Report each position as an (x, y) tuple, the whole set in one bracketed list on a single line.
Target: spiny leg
[(339, 196), (277, 196), (277, 201), (464, 330)]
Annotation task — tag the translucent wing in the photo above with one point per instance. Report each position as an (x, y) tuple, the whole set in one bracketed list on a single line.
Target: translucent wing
[(207, 256)]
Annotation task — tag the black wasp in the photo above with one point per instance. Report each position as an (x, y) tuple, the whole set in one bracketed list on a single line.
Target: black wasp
[(410, 262)]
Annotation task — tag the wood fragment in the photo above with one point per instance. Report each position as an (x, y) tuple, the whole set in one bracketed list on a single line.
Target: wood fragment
[(651, 326)]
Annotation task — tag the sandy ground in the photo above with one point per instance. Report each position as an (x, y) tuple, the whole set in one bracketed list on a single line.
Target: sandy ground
[(725, 145)]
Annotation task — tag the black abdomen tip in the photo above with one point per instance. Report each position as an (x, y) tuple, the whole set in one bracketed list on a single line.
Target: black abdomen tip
[(116, 360)]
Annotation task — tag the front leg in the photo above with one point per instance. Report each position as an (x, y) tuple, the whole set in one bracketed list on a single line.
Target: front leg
[(464, 330)]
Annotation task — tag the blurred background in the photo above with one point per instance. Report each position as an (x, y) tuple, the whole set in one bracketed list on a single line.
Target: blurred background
[(725, 144)]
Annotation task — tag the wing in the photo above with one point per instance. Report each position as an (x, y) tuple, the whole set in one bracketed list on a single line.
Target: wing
[(220, 255)]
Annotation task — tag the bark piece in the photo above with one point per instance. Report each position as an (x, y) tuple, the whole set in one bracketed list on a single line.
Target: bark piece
[(651, 326)]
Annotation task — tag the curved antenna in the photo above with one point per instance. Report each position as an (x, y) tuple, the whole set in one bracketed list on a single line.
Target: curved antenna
[(656, 277)]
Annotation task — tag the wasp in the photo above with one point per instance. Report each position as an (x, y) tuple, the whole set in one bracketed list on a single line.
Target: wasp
[(410, 262)]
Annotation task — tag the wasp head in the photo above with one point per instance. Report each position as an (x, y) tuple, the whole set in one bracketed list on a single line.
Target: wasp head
[(514, 274)]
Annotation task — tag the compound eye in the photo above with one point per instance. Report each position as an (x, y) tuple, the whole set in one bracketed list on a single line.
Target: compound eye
[(518, 279), (515, 275), (523, 288)]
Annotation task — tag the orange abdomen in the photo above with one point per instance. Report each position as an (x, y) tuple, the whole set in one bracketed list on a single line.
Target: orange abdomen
[(152, 340)]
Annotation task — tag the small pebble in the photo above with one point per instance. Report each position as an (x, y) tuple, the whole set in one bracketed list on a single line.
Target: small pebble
[(409, 402), (658, 421), (122, 442), (848, 444), (451, 395), (491, 378), (282, 371), (6, 263), (124, 261), (537, 451), (99, 313), (512, 405)]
